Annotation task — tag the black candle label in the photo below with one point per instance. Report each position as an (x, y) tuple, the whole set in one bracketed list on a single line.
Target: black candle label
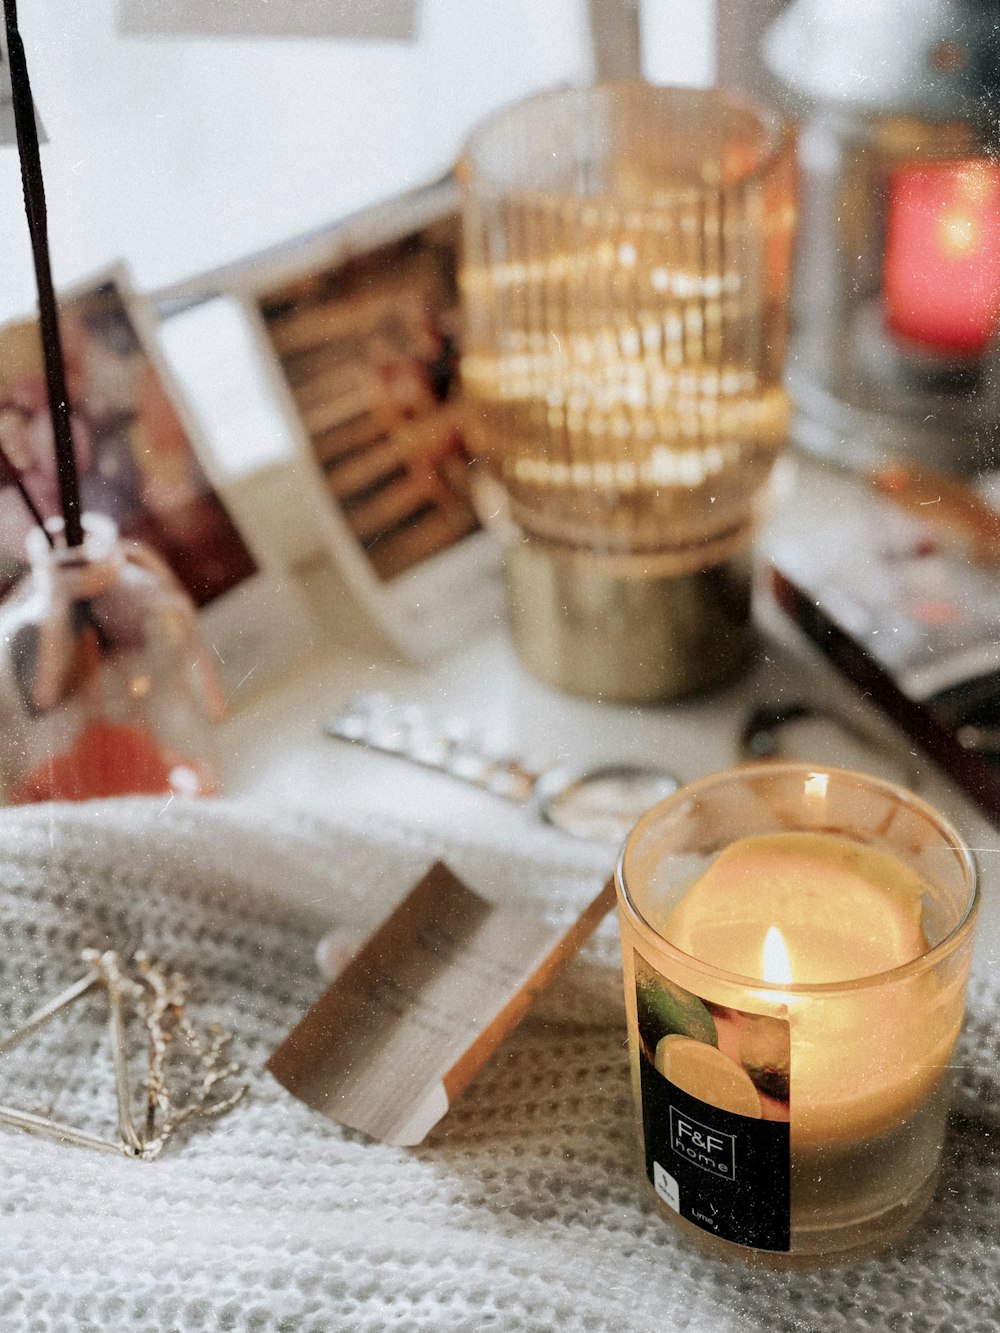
[(715, 1090)]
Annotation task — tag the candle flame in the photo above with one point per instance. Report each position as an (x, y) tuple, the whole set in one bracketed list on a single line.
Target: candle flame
[(776, 966), (816, 784), (958, 233)]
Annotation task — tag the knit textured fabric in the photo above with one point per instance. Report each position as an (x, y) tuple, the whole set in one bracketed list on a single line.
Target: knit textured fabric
[(522, 1211)]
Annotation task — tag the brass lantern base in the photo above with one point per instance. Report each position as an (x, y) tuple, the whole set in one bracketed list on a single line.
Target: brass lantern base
[(627, 628)]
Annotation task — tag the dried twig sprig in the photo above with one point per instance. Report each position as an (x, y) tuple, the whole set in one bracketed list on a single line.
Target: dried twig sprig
[(163, 1010), (175, 1092)]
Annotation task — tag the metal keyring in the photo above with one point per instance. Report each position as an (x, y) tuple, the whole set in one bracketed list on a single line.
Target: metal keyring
[(601, 803)]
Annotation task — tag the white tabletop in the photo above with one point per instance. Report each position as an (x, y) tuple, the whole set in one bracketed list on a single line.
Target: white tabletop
[(522, 1212), (274, 749)]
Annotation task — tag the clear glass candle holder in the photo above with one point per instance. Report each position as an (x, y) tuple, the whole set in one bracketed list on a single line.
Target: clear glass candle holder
[(796, 946), (625, 285)]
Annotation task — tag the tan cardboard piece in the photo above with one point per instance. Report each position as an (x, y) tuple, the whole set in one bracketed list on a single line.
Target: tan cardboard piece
[(404, 1028)]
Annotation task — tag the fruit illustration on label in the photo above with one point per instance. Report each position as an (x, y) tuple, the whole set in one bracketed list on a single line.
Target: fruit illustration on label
[(704, 1072), (664, 1008), (765, 1056)]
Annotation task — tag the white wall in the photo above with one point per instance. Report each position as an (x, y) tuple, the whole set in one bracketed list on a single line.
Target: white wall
[(677, 41), (180, 154)]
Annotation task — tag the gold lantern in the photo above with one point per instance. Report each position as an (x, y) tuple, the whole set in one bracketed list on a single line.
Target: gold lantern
[(625, 286)]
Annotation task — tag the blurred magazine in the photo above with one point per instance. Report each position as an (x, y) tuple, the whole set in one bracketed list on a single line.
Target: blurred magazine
[(900, 607)]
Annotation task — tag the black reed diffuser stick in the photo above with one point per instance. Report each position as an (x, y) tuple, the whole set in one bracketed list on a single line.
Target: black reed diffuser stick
[(10, 474), (34, 204)]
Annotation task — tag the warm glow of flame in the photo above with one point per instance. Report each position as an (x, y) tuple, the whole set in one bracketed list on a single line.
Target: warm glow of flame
[(816, 784), (776, 966), (959, 233)]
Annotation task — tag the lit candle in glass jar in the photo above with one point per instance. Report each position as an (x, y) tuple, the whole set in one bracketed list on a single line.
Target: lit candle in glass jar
[(795, 947), (815, 909), (941, 277)]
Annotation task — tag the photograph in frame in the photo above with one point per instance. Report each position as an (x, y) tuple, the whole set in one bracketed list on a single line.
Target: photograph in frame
[(136, 461), (141, 462), (368, 348), (347, 340), (358, 332)]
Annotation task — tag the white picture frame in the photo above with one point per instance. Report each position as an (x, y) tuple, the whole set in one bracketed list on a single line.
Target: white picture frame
[(375, 20), (437, 599)]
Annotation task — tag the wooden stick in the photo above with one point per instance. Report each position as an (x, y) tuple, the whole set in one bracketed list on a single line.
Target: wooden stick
[(34, 204)]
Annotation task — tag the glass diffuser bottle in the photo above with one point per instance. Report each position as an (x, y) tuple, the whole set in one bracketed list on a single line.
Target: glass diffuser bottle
[(105, 686)]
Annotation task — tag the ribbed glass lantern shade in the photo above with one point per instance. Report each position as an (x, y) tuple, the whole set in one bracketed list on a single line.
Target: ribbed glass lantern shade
[(625, 288)]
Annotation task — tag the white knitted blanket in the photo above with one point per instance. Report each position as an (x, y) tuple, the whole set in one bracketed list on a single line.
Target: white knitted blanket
[(523, 1210)]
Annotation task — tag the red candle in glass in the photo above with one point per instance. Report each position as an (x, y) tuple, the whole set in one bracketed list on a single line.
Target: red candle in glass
[(941, 279)]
